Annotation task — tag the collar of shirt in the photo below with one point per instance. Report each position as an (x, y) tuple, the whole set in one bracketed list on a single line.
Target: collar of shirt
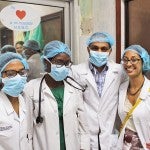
[(94, 70)]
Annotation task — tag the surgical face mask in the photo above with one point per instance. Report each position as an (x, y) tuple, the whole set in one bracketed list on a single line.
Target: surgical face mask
[(58, 74), (98, 58), (14, 86)]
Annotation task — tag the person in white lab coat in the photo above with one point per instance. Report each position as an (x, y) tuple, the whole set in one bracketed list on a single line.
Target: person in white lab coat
[(13, 111), (59, 120), (135, 132), (102, 78)]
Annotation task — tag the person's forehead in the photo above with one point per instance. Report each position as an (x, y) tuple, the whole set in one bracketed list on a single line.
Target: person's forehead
[(14, 65), (100, 44), (19, 45)]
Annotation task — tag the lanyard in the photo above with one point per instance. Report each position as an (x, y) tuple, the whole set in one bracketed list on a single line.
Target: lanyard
[(129, 114)]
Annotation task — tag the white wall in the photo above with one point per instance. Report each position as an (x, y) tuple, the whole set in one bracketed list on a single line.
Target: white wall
[(103, 19)]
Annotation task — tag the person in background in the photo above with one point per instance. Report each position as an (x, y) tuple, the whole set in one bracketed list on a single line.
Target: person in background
[(19, 47), (32, 54), (59, 120), (102, 78), (8, 48), (134, 99), (13, 114)]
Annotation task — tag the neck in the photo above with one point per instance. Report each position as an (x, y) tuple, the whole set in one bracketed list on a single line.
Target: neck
[(12, 99), (100, 69), (136, 82), (52, 83)]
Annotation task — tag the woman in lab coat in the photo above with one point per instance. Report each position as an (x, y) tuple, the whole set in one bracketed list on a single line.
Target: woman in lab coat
[(59, 119), (13, 114), (135, 132)]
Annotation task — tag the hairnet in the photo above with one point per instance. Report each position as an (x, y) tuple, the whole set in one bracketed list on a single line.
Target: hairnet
[(32, 44), (142, 53), (8, 48), (100, 37), (55, 47), (8, 57)]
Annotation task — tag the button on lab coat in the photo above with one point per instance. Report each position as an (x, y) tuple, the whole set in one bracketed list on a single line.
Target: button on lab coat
[(101, 111), (46, 135), (13, 129)]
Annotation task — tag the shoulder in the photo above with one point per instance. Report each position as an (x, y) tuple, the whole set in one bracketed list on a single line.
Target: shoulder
[(80, 66), (113, 64), (32, 84)]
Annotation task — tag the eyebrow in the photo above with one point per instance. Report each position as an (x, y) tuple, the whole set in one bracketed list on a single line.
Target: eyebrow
[(13, 70)]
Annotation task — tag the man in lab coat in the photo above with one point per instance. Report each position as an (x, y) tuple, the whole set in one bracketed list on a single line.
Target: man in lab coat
[(102, 78)]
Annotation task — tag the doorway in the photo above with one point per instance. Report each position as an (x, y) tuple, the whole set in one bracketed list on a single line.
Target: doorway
[(53, 21), (137, 21)]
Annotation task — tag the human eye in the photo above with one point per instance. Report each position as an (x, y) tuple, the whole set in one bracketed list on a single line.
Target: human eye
[(125, 60), (23, 72), (94, 48), (134, 60), (11, 73), (104, 49)]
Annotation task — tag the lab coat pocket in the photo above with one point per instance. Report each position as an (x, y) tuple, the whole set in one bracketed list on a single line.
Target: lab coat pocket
[(6, 129)]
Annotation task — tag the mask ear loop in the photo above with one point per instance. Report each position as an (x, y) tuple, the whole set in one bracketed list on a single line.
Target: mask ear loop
[(39, 118), (83, 88)]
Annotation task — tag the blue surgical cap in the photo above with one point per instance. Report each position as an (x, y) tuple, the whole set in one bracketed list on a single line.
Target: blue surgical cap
[(100, 37), (142, 53), (8, 57), (55, 47), (8, 48)]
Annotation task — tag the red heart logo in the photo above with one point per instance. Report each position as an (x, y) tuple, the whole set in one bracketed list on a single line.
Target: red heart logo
[(20, 14)]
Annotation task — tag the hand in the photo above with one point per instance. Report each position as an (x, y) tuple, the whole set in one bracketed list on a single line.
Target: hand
[(148, 146)]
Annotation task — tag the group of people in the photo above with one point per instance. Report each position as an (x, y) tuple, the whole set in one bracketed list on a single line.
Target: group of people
[(75, 107)]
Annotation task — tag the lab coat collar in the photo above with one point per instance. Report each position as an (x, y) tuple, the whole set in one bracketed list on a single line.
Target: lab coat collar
[(110, 76), (8, 107), (86, 72), (67, 94), (145, 91), (68, 90)]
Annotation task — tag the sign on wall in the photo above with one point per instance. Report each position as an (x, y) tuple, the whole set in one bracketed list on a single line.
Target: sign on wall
[(20, 17)]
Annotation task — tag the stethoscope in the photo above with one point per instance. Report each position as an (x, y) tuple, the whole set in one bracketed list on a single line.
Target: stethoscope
[(39, 118)]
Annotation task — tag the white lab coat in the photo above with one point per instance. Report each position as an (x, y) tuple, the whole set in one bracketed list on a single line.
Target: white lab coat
[(13, 129), (101, 111), (46, 134), (141, 114)]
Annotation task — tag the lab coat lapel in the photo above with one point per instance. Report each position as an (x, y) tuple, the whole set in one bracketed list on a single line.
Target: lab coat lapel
[(122, 94), (46, 91), (8, 107), (67, 94), (110, 77), (86, 72)]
